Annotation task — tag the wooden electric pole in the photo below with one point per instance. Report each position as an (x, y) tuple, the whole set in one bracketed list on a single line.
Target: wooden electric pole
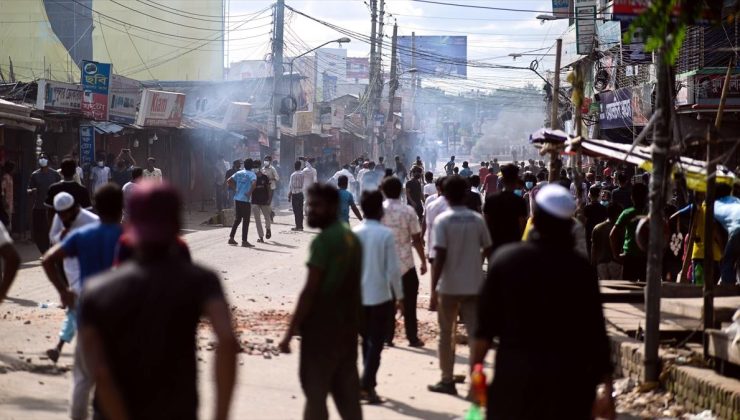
[(392, 86), (371, 87), (555, 163), (277, 65)]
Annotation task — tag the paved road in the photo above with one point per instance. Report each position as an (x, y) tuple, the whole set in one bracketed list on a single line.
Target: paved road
[(262, 284)]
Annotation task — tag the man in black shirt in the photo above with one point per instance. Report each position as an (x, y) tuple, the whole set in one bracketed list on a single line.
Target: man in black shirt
[(138, 323), (474, 201), (623, 194), (261, 204), (506, 211), (414, 196), (544, 279), (69, 185), (593, 213), (237, 166)]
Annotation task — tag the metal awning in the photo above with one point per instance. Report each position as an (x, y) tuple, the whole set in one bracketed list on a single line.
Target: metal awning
[(106, 127), (14, 115)]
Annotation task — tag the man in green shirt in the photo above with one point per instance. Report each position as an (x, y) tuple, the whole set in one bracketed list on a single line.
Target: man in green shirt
[(327, 316), (623, 236)]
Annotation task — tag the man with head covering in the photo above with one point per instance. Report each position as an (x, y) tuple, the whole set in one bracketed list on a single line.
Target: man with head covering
[(140, 353), (544, 281)]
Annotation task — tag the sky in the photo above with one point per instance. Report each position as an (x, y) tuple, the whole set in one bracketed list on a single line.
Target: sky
[(492, 34)]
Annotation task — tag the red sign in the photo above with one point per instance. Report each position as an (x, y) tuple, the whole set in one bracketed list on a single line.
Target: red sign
[(358, 68), (160, 109)]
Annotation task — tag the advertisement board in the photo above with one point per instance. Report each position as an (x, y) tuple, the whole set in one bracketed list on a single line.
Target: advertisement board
[(435, 55), (561, 8), (236, 116), (337, 117), (160, 109), (95, 81), (707, 89), (585, 11), (58, 96), (303, 120), (358, 68), (615, 109), (87, 145), (125, 98)]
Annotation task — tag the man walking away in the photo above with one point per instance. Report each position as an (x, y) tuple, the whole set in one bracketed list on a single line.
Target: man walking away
[(327, 315), (506, 211), (94, 246), (429, 187), (449, 166), (295, 195), (404, 223), (414, 196), (622, 195), (623, 237), (346, 200), (68, 219), (474, 201), (261, 203), (142, 357), (466, 172), (68, 184), (400, 171), (461, 240), (531, 380), (602, 257), (243, 182), (38, 188), (593, 214), (380, 274)]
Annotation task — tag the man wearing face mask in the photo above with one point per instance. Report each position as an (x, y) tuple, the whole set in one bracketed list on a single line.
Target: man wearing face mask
[(272, 175), (99, 174), (506, 210), (38, 187)]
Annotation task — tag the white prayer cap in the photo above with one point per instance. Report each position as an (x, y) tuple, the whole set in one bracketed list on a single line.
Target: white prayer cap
[(63, 201), (556, 201)]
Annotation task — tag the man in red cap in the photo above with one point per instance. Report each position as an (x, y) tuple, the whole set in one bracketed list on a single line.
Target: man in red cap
[(138, 323)]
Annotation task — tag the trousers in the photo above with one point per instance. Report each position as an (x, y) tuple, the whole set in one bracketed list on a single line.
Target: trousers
[(82, 386), (40, 232), (449, 306), (69, 326), (296, 200), (410, 283), (259, 211), (330, 366), (242, 212), (373, 338), (730, 259)]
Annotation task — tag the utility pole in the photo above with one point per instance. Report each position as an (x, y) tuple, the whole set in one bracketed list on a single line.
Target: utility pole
[(660, 148), (277, 65), (555, 163), (413, 81), (379, 71), (370, 118), (392, 86)]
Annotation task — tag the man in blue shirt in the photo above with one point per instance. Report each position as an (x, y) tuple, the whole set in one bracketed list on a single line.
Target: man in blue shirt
[(94, 246), (727, 213), (243, 182), (346, 200)]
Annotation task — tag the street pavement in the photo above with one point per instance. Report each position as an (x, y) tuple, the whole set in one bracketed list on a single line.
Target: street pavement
[(262, 285)]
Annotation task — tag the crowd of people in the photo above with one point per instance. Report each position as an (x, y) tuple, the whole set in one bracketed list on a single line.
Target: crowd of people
[(122, 271)]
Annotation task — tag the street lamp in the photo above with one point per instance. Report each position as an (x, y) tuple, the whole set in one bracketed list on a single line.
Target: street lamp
[(340, 41), (545, 18), (519, 55)]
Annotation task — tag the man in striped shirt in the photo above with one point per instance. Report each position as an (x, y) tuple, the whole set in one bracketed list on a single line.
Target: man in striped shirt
[(295, 196)]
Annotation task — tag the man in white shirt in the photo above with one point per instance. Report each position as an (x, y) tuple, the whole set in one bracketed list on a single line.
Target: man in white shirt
[(404, 223), (380, 274), (344, 171), (430, 188), (436, 204), (152, 173), (69, 218), (137, 174), (460, 240), (272, 175), (310, 176), (99, 174)]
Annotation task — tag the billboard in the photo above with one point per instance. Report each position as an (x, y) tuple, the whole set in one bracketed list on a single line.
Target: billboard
[(615, 109), (160, 109), (58, 96), (585, 26), (358, 68), (87, 145), (95, 82), (561, 8), (435, 55), (125, 98)]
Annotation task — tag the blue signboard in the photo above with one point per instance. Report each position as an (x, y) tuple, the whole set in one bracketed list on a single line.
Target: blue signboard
[(435, 55), (95, 83), (615, 109), (87, 145)]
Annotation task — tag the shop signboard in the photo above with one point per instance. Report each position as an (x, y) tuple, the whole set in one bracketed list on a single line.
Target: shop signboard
[(435, 55), (87, 145), (561, 8), (160, 109), (236, 116), (707, 89), (95, 81), (615, 109), (58, 96), (585, 11), (303, 121), (358, 68), (642, 104), (337, 117), (125, 99)]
